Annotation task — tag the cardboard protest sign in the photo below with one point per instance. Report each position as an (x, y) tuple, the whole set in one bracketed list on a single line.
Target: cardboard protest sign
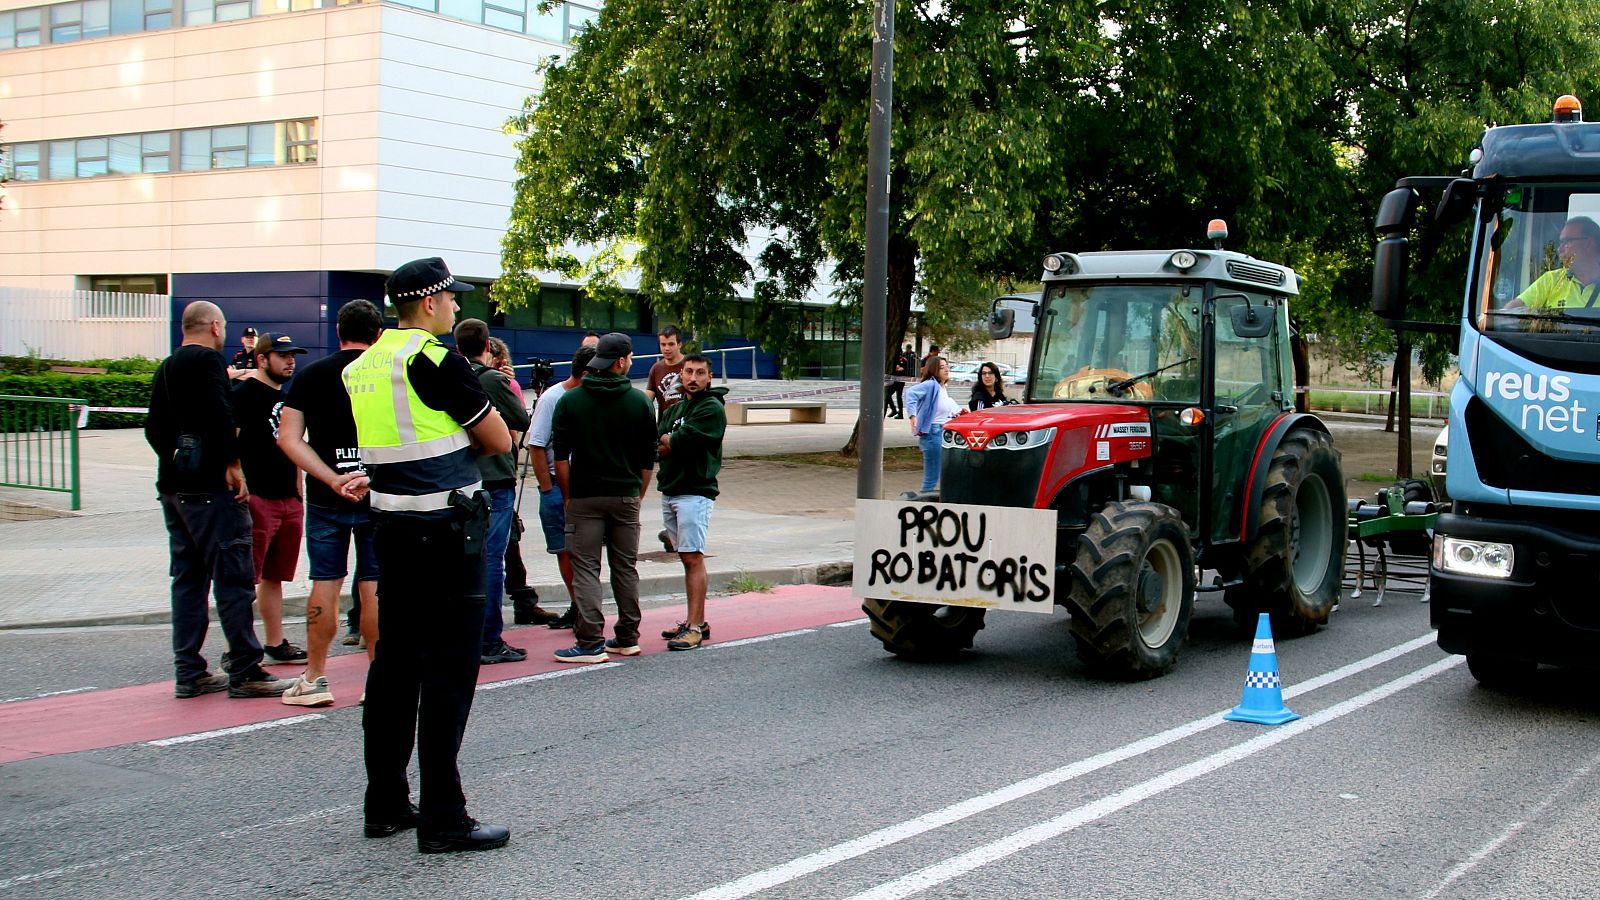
[(951, 554)]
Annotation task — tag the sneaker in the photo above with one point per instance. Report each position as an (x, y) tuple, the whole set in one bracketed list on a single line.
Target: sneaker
[(208, 683), (674, 631), (259, 684), (689, 638), (309, 693), (666, 541), (352, 639), (578, 653), (565, 620), (501, 653), (623, 649), (285, 654)]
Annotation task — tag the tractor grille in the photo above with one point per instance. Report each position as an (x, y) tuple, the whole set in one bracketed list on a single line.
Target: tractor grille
[(1259, 274), (1506, 460), (991, 478)]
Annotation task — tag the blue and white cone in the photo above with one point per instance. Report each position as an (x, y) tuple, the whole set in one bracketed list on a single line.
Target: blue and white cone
[(1261, 701)]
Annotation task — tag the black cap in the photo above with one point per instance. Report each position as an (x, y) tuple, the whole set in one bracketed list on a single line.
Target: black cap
[(249, 331), (612, 347), (277, 343), (421, 278)]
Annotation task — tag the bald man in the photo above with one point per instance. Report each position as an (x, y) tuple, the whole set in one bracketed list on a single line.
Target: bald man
[(203, 497)]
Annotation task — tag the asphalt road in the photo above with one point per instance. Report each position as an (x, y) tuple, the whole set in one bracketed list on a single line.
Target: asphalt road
[(816, 765)]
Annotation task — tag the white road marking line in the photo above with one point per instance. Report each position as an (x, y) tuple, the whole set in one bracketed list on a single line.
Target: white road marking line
[(545, 676), (849, 623), (48, 694), (1091, 812), (1510, 832), (237, 729), (756, 640), (207, 838), (822, 859)]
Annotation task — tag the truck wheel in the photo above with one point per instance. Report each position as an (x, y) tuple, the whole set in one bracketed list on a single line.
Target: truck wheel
[(1500, 673), (1132, 589), (923, 630), (1293, 568)]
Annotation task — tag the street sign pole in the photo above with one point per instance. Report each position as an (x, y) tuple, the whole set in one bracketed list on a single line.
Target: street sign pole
[(874, 307)]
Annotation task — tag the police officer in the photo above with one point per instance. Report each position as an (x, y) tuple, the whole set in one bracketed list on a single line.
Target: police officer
[(420, 417)]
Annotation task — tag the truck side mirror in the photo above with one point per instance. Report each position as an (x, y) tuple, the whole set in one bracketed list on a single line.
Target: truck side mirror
[(1395, 216), (1001, 322), (1251, 321)]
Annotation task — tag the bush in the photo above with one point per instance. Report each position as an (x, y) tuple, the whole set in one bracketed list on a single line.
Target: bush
[(96, 390)]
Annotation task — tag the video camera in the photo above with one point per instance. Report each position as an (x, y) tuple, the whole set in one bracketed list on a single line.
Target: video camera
[(540, 372)]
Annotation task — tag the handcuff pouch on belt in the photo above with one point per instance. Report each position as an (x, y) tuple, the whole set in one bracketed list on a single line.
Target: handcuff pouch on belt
[(471, 520)]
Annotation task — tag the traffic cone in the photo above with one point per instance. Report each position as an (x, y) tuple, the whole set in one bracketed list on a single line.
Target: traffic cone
[(1261, 701)]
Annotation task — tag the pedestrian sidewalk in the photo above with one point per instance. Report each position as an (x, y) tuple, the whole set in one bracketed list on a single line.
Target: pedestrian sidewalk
[(107, 564)]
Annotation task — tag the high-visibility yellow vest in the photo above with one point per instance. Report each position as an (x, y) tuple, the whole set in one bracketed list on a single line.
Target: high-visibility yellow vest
[(416, 456)]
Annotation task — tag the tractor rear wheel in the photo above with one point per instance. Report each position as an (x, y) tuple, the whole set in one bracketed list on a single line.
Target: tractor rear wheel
[(923, 630), (1294, 565), (1132, 589)]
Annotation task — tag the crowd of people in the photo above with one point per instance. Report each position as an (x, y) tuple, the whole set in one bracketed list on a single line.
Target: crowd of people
[(411, 451)]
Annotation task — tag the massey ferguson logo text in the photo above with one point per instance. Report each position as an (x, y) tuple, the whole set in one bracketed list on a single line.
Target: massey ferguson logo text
[(1123, 430), (1545, 399)]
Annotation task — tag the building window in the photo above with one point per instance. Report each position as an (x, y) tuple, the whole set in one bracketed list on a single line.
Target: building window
[(230, 147), (300, 141), (157, 14), (157, 152), (93, 158), (199, 150), (23, 162), (29, 30), (124, 284), (555, 307)]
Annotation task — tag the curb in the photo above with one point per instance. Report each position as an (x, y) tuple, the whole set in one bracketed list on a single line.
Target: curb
[(827, 572)]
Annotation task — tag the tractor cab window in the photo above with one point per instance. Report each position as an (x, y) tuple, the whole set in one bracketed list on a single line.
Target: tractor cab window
[(1541, 257), (1119, 343), (1249, 373)]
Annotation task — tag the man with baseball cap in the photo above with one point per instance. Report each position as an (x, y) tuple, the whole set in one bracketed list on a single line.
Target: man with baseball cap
[(604, 437), (277, 512), (419, 434)]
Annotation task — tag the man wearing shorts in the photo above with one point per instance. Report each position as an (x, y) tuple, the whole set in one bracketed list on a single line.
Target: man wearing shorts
[(552, 506), (277, 514), (336, 502), (690, 449)]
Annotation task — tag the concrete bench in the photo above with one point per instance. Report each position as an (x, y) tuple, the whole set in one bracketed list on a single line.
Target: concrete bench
[(815, 411)]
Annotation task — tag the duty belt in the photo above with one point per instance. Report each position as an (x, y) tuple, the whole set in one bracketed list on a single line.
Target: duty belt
[(431, 502)]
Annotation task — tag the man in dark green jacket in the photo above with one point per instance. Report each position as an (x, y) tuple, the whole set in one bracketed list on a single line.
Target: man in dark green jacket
[(690, 447), (604, 437)]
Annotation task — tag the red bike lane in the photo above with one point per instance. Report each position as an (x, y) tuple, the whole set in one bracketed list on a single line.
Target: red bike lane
[(93, 720)]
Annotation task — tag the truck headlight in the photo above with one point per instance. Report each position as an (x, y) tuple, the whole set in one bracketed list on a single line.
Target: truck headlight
[(1484, 559)]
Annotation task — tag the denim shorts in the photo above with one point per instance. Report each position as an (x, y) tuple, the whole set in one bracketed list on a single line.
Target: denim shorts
[(328, 533), (688, 518), (553, 519)]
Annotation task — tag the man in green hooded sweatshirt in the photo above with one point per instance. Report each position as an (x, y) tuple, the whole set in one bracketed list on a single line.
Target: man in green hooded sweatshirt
[(604, 436), (690, 447)]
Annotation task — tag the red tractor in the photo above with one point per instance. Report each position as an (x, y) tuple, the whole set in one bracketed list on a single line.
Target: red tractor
[(1158, 423)]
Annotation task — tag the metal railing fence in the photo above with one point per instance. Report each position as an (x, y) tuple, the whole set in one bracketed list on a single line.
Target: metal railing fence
[(40, 444)]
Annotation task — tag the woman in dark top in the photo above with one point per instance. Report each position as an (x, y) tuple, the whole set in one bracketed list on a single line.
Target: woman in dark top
[(990, 389)]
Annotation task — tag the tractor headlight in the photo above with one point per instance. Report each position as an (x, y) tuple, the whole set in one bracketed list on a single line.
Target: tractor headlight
[(955, 438), (1023, 440), (1483, 559)]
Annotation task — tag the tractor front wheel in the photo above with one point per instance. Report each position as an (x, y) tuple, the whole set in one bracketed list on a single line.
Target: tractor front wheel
[(1294, 565), (923, 630), (1132, 589)]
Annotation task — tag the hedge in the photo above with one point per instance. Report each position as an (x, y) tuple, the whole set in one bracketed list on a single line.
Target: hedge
[(97, 390)]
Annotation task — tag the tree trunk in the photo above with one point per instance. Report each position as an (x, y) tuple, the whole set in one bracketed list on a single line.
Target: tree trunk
[(902, 278)]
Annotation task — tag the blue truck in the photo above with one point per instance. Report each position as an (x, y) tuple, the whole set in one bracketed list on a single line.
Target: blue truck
[(1514, 575)]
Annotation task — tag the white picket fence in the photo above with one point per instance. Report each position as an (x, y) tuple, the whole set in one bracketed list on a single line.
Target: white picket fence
[(58, 324)]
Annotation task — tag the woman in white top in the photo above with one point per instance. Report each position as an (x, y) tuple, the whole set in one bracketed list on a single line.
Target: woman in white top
[(928, 407)]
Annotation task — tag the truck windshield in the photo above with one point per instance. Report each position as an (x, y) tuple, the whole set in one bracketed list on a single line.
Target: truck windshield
[(1541, 263), (1094, 338)]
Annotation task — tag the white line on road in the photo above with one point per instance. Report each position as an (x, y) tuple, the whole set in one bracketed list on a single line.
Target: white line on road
[(48, 694), (545, 676), (757, 640), (213, 838), (237, 729), (1091, 812), (822, 859), (1510, 832), (849, 623)]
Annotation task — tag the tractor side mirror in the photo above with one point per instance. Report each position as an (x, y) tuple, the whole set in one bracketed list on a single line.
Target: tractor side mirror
[(1252, 321), (1395, 216), (1001, 323)]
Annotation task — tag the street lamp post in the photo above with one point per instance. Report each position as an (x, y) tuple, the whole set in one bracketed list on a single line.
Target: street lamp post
[(869, 421)]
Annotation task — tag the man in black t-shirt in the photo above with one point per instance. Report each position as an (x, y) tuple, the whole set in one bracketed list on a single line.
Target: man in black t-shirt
[(336, 503), (203, 495), (277, 514)]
